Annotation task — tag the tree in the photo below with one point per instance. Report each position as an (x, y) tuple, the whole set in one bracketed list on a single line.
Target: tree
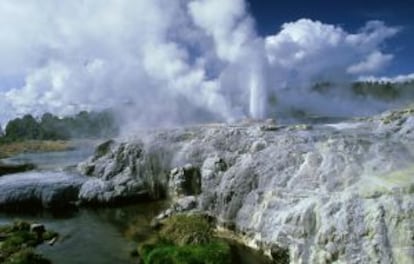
[(49, 127)]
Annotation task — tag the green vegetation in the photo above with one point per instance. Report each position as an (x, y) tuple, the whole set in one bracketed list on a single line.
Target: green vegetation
[(386, 91), (380, 90), (187, 229), (26, 256), (18, 240), (8, 149), (212, 253), (50, 127), (185, 239)]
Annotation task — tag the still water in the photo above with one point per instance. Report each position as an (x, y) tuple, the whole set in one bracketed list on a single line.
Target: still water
[(96, 235), (103, 235)]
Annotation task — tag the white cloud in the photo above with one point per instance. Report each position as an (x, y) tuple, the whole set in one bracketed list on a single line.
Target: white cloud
[(168, 62), (95, 54), (320, 50), (396, 79), (307, 51), (373, 63)]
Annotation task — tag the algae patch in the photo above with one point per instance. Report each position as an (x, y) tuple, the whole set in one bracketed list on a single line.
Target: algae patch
[(375, 186)]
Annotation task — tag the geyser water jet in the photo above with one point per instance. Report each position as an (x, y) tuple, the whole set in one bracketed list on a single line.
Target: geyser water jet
[(258, 95)]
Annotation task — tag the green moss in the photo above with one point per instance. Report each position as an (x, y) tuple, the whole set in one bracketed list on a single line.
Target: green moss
[(185, 239), (186, 229), (212, 253), (18, 242), (26, 256)]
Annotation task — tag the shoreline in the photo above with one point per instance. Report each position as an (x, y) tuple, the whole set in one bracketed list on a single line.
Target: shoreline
[(9, 149)]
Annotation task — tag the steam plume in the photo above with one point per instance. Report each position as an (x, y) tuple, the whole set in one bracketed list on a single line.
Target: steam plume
[(163, 62)]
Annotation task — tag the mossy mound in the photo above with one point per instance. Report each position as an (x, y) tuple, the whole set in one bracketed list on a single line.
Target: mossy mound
[(211, 253), (185, 239), (18, 240), (187, 230)]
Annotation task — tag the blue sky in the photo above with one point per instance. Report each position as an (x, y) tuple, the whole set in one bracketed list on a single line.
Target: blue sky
[(350, 15)]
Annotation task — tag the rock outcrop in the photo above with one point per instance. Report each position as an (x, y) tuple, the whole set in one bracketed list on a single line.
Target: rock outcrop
[(340, 193), (39, 189)]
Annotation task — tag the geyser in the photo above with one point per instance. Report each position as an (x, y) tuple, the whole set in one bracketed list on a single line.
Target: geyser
[(258, 96), (179, 62)]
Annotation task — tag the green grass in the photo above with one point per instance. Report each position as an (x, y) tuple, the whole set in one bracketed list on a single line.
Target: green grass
[(185, 239), (186, 229), (211, 253)]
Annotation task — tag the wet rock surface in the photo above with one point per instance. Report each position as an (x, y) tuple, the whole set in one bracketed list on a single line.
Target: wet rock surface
[(15, 168), (342, 192), (39, 189)]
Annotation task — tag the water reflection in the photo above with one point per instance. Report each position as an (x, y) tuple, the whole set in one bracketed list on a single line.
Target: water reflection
[(52, 160), (100, 235)]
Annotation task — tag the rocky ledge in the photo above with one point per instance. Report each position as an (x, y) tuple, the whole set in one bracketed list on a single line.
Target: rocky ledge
[(34, 190), (340, 193)]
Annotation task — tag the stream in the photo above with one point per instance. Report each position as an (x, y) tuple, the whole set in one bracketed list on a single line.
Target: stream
[(96, 235)]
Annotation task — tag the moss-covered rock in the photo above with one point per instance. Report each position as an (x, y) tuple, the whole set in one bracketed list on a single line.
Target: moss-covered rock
[(18, 240)]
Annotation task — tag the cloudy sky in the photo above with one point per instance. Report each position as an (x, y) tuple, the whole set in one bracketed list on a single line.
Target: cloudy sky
[(178, 61), (350, 15)]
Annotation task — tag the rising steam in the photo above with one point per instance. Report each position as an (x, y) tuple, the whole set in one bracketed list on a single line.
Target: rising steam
[(163, 62)]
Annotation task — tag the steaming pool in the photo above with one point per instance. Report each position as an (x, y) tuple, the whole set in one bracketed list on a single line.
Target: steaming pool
[(96, 235)]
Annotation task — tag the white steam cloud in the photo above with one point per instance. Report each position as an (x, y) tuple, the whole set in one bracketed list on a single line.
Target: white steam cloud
[(396, 79), (163, 62)]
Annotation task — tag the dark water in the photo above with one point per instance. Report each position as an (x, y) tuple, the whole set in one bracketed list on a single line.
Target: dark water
[(97, 235), (104, 235), (107, 235)]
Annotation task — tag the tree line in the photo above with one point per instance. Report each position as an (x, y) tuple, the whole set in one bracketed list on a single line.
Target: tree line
[(50, 127), (381, 90)]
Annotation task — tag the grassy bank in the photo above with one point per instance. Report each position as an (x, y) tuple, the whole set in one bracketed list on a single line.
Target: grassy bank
[(8, 149)]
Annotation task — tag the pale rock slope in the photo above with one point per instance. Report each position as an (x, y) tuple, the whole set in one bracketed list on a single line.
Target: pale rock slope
[(340, 193)]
